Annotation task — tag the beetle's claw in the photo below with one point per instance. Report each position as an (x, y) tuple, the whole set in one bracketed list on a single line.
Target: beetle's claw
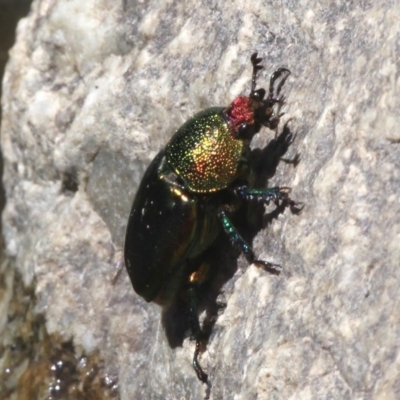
[(284, 192), (296, 207), (285, 189), (119, 267), (196, 365), (274, 269), (199, 372)]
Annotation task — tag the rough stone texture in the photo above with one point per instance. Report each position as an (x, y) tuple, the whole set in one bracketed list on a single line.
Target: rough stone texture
[(91, 93)]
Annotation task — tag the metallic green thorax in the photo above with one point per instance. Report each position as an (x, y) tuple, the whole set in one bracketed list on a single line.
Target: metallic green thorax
[(205, 153)]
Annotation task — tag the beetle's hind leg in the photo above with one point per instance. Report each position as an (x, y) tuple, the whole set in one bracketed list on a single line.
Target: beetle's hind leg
[(195, 279), (238, 240)]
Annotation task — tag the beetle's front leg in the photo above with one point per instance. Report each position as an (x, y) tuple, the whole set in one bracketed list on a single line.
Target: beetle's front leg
[(270, 194), (238, 240), (263, 195)]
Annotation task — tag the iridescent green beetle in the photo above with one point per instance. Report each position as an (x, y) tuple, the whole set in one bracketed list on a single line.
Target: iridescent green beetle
[(187, 194)]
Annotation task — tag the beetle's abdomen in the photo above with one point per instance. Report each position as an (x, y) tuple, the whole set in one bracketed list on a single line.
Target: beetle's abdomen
[(161, 231), (204, 152)]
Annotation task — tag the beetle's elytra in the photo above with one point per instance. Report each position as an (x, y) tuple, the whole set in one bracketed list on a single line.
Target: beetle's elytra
[(188, 193)]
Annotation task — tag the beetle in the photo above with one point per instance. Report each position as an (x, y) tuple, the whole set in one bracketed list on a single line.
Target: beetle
[(188, 193)]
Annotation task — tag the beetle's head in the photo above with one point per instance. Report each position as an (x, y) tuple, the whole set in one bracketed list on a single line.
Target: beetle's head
[(247, 114)]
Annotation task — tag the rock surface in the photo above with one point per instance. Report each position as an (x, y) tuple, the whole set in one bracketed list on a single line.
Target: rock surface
[(94, 89)]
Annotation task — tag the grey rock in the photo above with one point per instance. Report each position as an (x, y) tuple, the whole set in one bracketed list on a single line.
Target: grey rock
[(94, 89)]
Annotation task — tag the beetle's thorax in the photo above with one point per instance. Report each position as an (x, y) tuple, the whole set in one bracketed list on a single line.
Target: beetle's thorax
[(206, 152)]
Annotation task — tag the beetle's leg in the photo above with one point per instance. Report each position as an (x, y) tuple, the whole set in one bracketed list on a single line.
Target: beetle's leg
[(270, 194), (263, 195), (233, 234), (194, 280), (238, 240)]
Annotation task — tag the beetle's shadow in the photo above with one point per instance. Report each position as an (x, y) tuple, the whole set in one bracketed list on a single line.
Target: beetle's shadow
[(222, 257)]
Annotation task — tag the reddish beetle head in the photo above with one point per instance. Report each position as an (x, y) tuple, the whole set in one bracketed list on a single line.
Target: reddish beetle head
[(246, 115)]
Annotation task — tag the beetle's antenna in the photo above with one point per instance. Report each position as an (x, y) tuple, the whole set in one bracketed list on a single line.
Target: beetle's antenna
[(256, 67)]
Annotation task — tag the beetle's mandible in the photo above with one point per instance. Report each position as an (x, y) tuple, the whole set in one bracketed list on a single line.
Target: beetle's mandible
[(188, 193)]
